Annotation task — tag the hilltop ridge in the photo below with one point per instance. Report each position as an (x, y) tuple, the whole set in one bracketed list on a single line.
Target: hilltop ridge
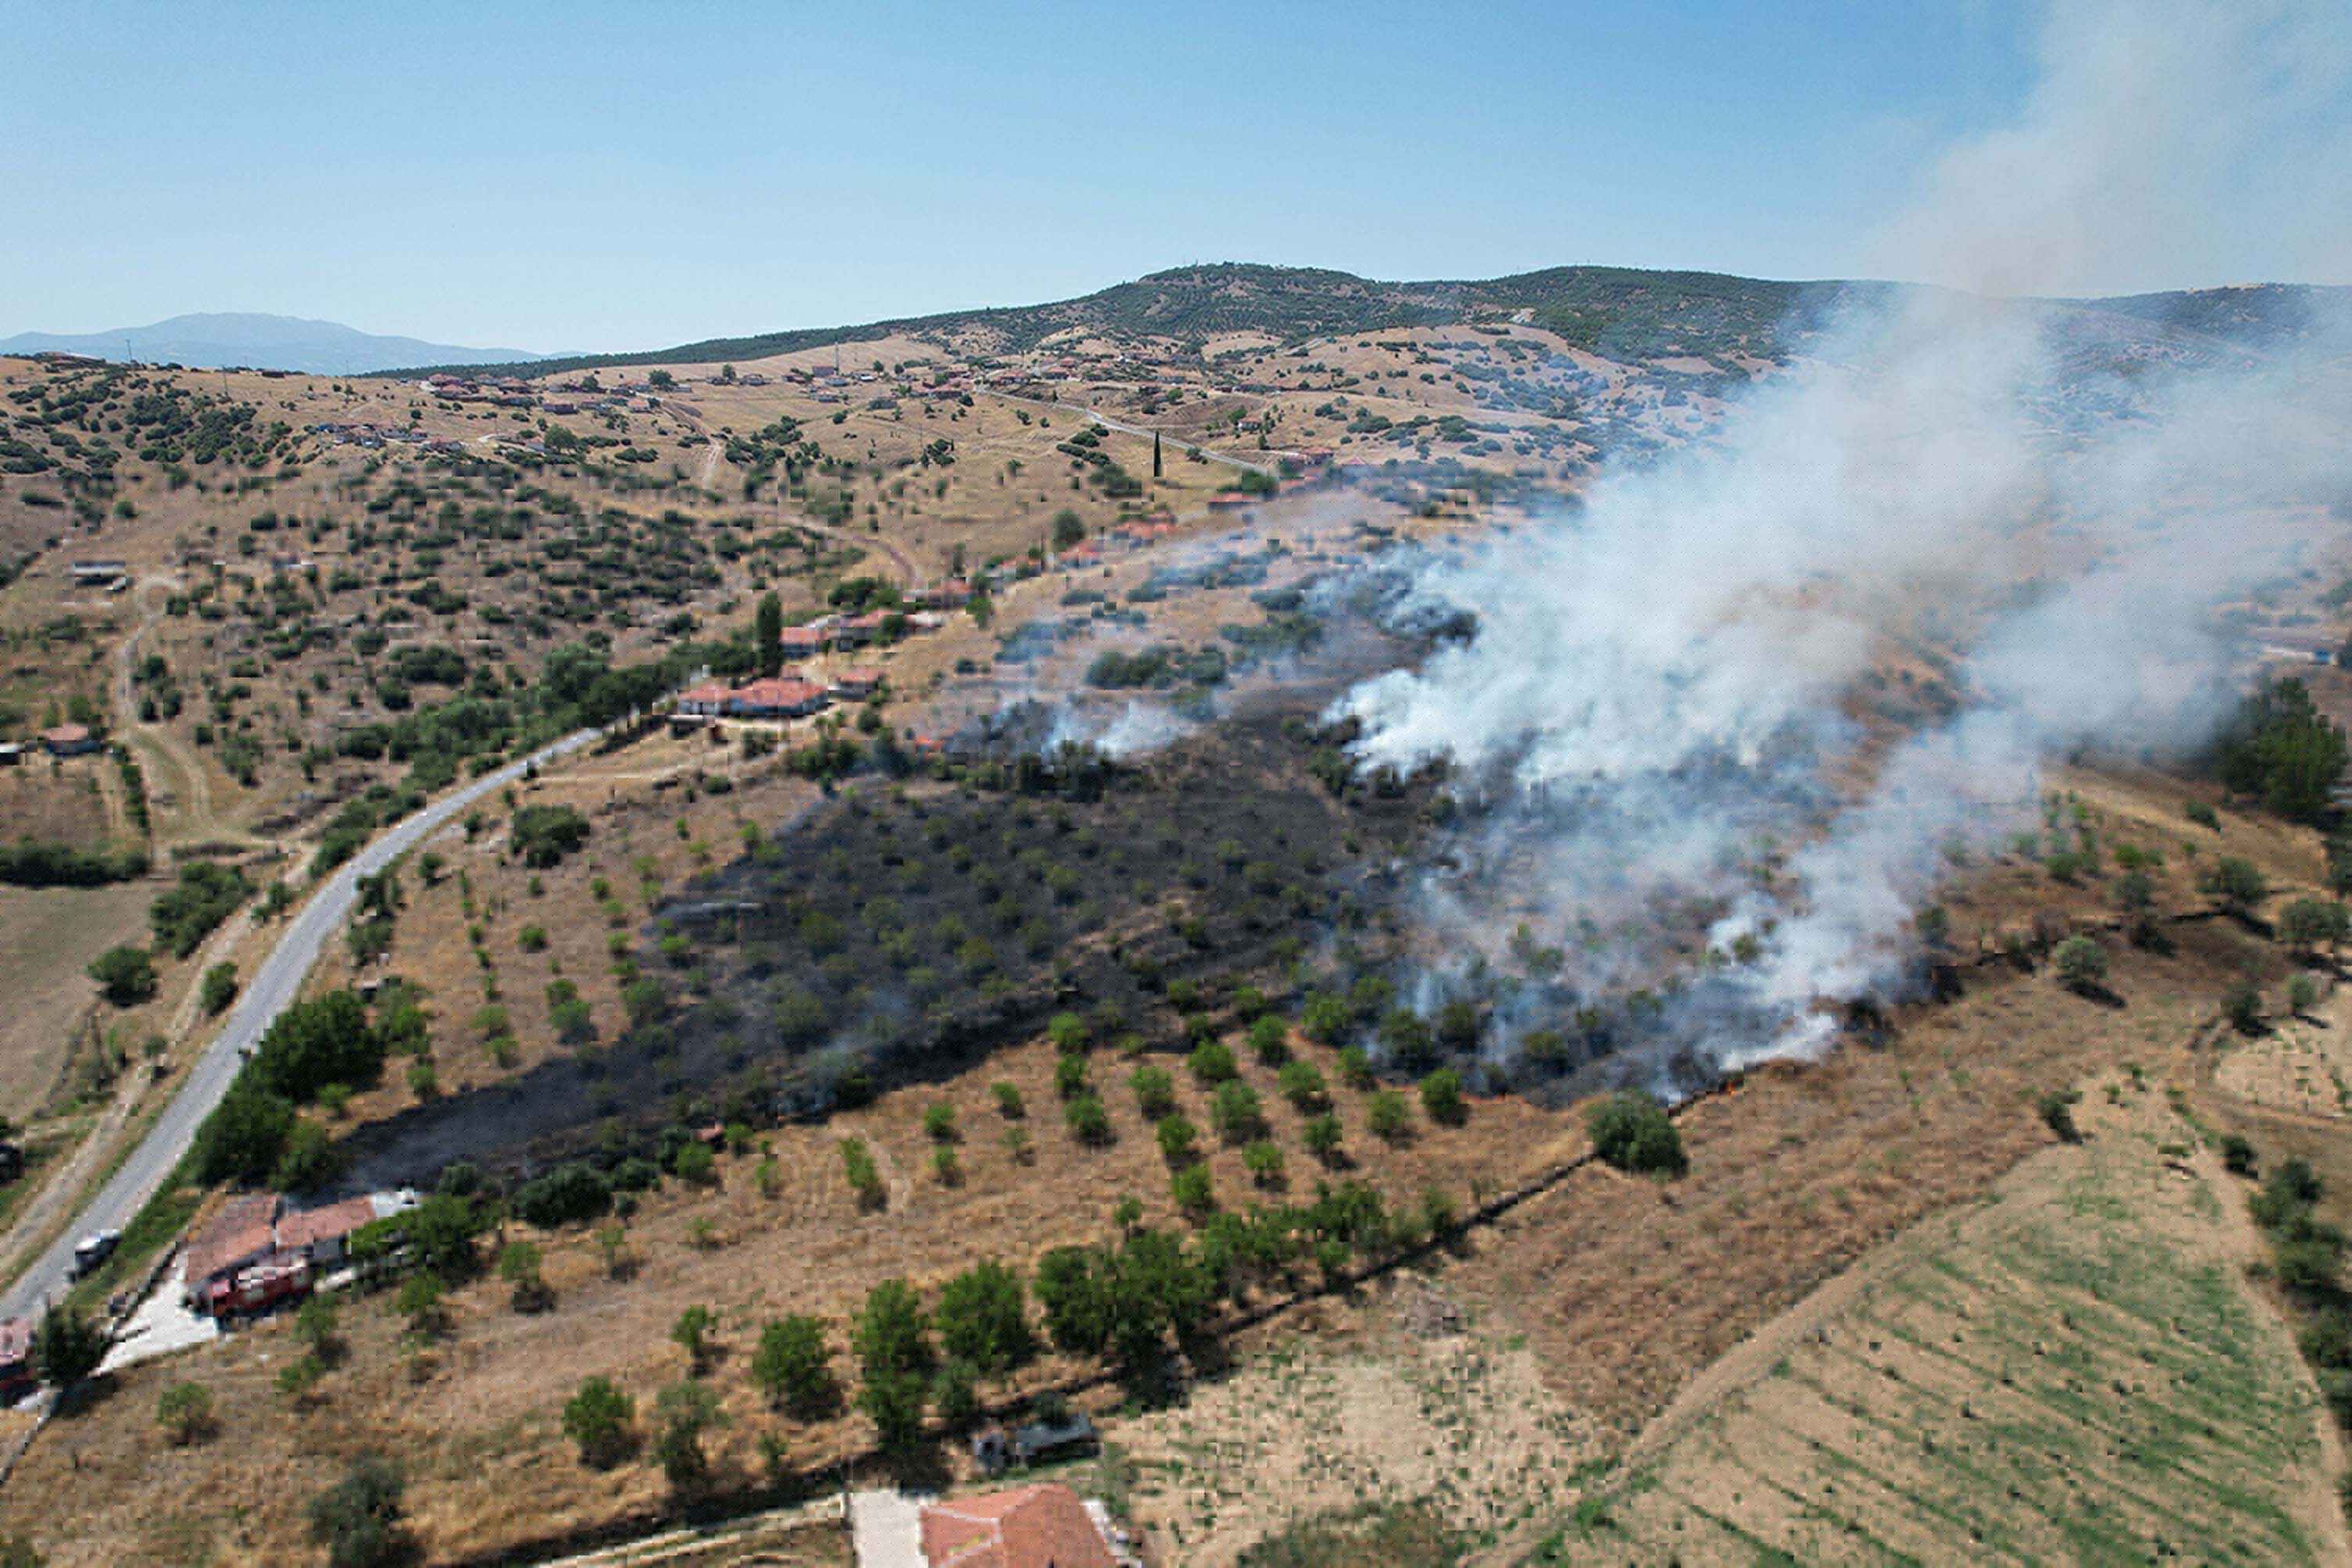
[(1621, 312)]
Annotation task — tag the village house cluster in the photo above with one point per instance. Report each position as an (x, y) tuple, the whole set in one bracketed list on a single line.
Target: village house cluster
[(791, 694)]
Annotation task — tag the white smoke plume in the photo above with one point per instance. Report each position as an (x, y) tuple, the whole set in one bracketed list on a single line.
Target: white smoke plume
[(1138, 729), (1657, 713)]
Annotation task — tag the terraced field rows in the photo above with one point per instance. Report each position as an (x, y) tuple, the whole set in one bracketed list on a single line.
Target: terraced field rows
[(2078, 1372)]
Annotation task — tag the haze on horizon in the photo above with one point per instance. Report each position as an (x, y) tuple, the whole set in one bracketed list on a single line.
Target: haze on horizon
[(608, 179)]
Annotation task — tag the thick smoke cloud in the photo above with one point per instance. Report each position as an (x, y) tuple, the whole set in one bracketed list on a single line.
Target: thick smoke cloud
[(1658, 717), (2166, 143)]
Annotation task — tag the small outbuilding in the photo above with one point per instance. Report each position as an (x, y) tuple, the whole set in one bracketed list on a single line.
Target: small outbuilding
[(69, 741)]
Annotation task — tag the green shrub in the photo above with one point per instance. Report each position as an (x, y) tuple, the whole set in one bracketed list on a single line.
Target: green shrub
[(125, 975), (598, 1418), (1193, 1190), (2080, 963), (1631, 1130), (185, 1411), (359, 1518), (1155, 1092), (793, 1366), (541, 836), (1235, 1112), (1301, 1083), (1440, 1098), (218, 989), (2241, 1003), (1087, 1120), (1211, 1061), (2235, 884), (1323, 1136), (1269, 1039)]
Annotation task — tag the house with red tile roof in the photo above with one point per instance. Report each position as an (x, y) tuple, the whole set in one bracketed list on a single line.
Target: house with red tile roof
[(805, 639), (707, 700), (857, 685), (1042, 1526), (318, 1234), (857, 631), (778, 697), (242, 1234)]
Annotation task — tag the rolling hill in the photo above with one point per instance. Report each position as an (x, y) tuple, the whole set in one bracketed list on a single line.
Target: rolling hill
[(1625, 313), (260, 342)]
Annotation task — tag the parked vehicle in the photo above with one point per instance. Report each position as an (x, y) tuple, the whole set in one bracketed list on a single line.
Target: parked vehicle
[(92, 1251)]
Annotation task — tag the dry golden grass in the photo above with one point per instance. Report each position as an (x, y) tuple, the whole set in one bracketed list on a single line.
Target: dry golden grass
[(476, 1416), (54, 932)]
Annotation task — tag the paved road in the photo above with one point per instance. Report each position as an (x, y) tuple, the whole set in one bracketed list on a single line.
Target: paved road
[(886, 1528), (266, 993)]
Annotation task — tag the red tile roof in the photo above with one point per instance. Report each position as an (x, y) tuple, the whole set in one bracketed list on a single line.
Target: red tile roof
[(709, 691), (313, 1226), (238, 1234), (779, 692), (1043, 1526), (15, 1340)]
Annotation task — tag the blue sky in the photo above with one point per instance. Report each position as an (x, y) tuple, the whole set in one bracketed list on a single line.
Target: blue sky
[(618, 176)]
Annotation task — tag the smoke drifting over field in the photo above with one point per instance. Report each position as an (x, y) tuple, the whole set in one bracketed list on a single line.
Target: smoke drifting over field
[(1662, 684)]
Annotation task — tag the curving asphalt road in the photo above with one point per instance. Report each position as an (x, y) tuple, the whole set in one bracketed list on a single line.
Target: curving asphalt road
[(266, 991)]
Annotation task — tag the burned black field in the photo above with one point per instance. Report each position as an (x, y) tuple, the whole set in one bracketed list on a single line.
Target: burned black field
[(904, 928)]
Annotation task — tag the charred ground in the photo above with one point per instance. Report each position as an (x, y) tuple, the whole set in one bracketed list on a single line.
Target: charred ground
[(904, 928)]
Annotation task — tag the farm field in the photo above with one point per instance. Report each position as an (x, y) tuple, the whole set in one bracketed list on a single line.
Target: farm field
[(54, 932), (2076, 1370), (1498, 1383)]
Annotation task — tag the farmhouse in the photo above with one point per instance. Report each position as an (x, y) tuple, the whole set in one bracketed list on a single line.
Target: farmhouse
[(1041, 1526), (96, 573), (257, 1251), (857, 685), (857, 631), (318, 1235), (782, 697), (241, 1234), (706, 700), (951, 594), (805, 640), (69, 741)]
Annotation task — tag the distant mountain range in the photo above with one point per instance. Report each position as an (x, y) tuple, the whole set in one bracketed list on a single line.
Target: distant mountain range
[(1625, 313), (260, 342)]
